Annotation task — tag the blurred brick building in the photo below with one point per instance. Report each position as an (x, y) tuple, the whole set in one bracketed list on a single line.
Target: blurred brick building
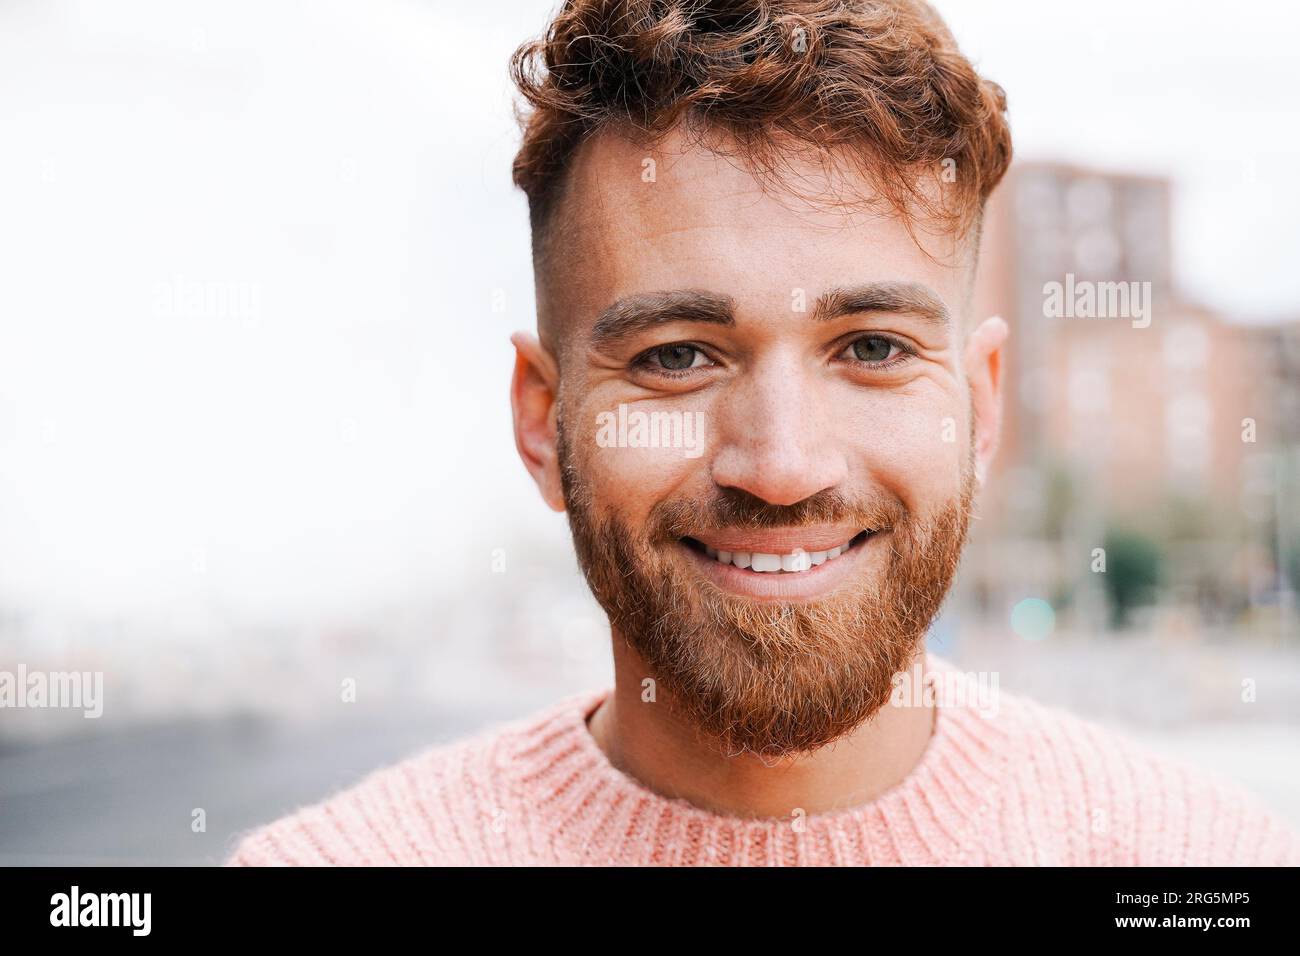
[(1127, 419)]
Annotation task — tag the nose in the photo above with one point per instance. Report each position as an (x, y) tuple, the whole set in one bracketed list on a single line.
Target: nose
[(776, 437)]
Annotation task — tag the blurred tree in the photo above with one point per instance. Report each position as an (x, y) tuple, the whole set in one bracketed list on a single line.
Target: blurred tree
[(1133, 565)]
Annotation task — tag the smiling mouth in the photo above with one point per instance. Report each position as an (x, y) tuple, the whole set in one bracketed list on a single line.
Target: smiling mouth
[(798, 561)]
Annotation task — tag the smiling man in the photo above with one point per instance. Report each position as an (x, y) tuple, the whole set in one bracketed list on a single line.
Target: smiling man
[(755, 229), (774, 585)]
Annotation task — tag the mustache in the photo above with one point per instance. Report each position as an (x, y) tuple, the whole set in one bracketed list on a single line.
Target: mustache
[(736, 509)]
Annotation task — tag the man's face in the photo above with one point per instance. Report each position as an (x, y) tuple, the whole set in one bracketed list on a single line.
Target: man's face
[(823, 410)]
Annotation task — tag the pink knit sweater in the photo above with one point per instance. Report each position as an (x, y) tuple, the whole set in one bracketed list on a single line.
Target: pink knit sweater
[(1031, 785)]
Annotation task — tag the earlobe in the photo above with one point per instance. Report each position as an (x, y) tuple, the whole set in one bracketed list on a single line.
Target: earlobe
[(534, 388)]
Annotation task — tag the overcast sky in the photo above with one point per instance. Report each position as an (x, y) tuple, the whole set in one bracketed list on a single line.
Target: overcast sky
[(258, 263)]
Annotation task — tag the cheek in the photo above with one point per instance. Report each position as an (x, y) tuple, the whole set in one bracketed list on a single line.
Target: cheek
[(914, 449), (634, 455)]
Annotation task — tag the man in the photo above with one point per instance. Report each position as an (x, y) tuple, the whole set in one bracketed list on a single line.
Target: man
[(759, 393)]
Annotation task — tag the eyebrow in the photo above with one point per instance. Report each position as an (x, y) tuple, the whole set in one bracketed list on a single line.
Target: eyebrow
[(899, 298), (633, 314), (636, 313)]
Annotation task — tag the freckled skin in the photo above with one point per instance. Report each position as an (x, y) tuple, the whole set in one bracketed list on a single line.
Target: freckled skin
[(787, 416)]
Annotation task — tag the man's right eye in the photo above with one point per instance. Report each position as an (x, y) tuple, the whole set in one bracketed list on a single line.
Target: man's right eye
[(672, 358)]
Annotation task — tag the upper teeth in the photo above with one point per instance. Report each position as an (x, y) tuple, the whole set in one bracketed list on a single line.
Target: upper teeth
[(797, 560)]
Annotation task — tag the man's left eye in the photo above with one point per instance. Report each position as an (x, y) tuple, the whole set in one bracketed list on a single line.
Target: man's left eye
[(870, 348)]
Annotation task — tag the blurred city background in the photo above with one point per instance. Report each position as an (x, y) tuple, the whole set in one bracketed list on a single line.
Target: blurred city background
[(260, 262)]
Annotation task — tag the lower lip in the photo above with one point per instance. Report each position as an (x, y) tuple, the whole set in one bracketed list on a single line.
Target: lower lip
[(785, 586)]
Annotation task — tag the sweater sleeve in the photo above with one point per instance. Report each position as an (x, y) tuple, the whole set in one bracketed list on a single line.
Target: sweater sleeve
[(320, 835), (1190, 816), (1253, 835), (1101, 798), (406, 814)]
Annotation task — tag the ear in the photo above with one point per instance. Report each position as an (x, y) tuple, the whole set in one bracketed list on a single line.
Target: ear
[(533, 391), (983, 360)]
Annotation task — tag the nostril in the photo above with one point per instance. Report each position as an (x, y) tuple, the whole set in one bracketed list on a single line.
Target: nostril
[(781, 479)]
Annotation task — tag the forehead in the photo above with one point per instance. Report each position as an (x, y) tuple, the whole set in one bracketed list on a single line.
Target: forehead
[(680, 215)]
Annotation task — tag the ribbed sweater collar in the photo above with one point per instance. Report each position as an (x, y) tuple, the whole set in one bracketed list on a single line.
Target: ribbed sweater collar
[(593, 813)]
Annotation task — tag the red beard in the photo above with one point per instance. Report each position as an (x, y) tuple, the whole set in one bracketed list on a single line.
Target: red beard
[(772, 679)]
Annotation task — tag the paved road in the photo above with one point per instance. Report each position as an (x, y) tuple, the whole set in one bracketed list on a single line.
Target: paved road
[(127, 798)]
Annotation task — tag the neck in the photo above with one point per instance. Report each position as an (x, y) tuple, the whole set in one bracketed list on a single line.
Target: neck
[(651, 742)]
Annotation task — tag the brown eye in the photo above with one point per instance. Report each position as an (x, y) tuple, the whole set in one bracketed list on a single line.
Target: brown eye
[(675, 358), (872, 348)]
